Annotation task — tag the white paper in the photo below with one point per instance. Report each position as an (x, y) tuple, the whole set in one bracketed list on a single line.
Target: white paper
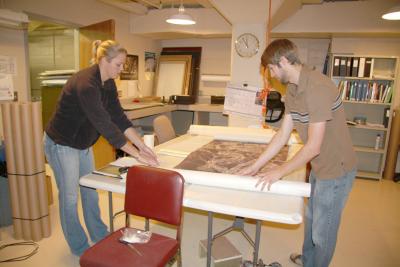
[(125, 162), (284, 187), (8, 65), (6, 87), (184, 148), (242, 100)]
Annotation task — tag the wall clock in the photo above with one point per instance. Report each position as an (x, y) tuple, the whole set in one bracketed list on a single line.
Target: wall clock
[(247, 45)]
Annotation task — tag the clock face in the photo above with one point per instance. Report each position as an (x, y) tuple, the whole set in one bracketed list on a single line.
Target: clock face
[(247, 45)]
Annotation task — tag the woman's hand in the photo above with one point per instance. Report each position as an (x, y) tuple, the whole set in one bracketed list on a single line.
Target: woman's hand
[(147, 156)]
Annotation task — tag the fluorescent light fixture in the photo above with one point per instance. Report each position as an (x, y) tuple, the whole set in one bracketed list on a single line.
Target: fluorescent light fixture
[(181, 18), (392, 14)]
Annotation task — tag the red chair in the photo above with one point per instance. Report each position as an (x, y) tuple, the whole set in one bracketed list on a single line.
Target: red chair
[(151, 193)]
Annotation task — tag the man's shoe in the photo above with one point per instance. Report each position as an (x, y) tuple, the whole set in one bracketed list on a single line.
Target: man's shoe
[(296, 259)]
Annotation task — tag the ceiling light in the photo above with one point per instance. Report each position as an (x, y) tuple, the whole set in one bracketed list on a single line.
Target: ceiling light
[(392, 14), (181, 18)]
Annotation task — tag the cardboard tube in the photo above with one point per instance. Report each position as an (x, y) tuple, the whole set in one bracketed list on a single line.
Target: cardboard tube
[(11, 167), (393, 147), (38, 134), (20, 168), (29, 170), (39, 163)]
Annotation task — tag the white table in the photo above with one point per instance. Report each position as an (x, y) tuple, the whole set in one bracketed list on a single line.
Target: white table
[(246, 204)]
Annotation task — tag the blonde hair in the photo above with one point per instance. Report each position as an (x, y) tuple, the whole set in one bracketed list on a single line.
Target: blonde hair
[(108, 49)]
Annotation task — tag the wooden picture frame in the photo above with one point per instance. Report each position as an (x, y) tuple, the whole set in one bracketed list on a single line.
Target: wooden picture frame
[(131, 68), (173, 75)]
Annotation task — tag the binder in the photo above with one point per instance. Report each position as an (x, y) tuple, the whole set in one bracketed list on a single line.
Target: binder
[(354, 67), (348, 67), (336, 63), (361, 67), (342, 67), (367, 69)]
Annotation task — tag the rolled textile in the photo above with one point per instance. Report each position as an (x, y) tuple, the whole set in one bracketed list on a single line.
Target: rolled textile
[(254, 135), (293, 188)]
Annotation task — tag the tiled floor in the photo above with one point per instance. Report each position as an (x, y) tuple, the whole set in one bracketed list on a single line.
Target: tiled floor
[(369, 235)]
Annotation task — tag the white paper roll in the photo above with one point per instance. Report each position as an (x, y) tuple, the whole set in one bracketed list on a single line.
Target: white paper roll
[(282, 187), (148, 140)]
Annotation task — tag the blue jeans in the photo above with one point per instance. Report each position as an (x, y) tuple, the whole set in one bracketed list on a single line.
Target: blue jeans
[(69, 164), (322, 218)]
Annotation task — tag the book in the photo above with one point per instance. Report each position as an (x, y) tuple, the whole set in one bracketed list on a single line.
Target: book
[(342, 67), (367, 68), (111, 170), (361, 67), (348, 67), (354, 67), (336, 64)]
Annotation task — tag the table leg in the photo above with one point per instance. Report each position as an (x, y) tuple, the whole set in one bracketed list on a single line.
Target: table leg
[(209, 238), (110, 211), (257, 242)]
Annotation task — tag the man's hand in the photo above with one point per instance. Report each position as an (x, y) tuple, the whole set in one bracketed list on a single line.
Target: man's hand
[(269, 178), (250, 170)]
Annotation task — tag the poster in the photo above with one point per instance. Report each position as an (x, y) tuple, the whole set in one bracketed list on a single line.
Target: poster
[(150, 61), (131, 68), (150, 65)]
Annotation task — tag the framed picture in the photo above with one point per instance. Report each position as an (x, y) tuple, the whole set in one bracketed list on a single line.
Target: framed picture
[(173, 75), (131, 68)]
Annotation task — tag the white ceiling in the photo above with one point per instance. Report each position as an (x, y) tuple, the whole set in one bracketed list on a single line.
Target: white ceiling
[(234, 12)]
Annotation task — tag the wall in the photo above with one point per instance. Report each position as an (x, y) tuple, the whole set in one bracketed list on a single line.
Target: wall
[(215, 59), (12, 44), (77, 12)]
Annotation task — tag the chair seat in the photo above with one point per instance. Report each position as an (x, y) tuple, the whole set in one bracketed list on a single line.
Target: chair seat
[(111, 252)]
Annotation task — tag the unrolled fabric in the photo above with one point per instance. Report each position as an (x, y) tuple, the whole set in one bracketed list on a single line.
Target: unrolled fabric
[(217, 163), (230, 157)]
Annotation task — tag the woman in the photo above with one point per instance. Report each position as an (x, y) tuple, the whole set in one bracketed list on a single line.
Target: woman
[(89, 107)]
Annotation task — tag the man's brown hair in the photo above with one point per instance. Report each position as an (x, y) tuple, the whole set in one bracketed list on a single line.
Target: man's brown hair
[(280, 48)]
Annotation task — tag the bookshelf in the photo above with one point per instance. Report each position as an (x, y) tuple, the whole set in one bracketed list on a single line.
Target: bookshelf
[(367, 85)]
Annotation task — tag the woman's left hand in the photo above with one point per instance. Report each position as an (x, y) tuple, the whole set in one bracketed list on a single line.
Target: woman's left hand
[(147, 155)]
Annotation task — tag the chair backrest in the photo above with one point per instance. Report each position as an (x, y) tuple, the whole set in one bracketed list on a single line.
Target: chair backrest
[(154, 193), (163, 129)]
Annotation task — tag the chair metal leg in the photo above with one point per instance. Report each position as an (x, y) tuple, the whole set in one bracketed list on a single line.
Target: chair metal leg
[(110, 211), (179, 257)]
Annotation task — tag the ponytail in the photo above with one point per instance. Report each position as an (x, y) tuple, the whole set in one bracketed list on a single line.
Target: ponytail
[(108, 49)]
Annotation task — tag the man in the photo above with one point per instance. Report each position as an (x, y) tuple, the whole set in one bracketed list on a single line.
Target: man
[(314, 108)]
